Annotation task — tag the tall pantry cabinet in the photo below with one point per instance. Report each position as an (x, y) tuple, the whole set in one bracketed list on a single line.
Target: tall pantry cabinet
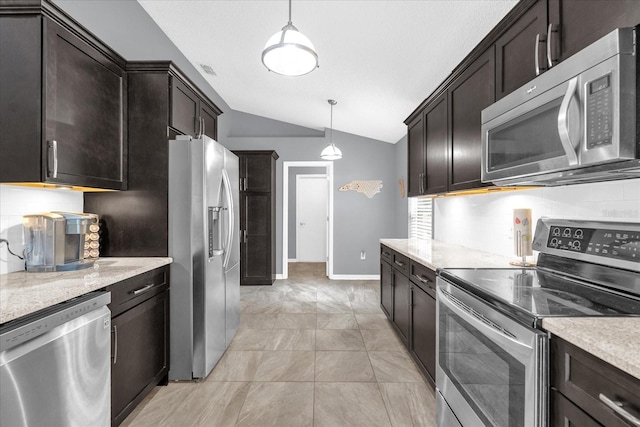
[(257, 217)]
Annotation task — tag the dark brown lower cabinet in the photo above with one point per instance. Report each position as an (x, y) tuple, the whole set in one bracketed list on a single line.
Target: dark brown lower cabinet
[(407, 298), (566, 414), (586, 383), (386, 288), (140, 340), (423, 329), (256, 252), (401, 307)]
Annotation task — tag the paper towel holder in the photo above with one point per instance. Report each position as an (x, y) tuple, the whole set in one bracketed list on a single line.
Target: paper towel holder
[(522, 237)]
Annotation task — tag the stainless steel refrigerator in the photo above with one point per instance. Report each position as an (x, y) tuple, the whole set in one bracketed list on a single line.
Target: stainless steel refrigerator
[(204, 244)]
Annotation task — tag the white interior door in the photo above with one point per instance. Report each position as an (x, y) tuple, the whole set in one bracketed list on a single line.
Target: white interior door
[(312, 195)]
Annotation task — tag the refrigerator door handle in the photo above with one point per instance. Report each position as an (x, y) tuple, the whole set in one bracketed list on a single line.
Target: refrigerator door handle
[(230, 209)]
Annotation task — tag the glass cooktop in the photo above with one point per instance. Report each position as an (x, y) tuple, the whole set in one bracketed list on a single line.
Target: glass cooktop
[(532, 294)]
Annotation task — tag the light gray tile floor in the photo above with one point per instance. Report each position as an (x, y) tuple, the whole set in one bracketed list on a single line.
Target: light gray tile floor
[(309, 352)]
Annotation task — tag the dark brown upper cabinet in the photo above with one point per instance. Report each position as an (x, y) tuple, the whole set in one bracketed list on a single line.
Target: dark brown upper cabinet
[(427, 143), (257, 171), (444, 132), (190, 114), (468, 95), (436, 147), (550, 31), (448, 127), (578, 23), (136, 221), (416, 147), (63, 104), (521, 50)]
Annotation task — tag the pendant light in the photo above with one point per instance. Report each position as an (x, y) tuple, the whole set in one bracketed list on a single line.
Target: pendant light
[(331, 152), (289, 52)]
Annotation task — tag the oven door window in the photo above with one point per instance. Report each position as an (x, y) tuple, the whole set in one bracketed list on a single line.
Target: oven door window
[(490, 379)]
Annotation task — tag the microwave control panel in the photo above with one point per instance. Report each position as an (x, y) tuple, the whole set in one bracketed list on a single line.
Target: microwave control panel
[(599, 107), (610, 243)]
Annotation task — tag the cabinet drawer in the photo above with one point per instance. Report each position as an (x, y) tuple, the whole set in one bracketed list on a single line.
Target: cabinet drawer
[(423, 276), (401, 263), (587, 381), (386, 254), (130, 292)]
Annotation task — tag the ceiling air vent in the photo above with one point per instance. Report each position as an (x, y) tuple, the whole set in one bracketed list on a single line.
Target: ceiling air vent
[(207, 69)]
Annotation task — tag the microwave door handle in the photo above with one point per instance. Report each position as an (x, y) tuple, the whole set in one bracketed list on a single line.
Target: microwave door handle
[(510, 344), (563, 123)]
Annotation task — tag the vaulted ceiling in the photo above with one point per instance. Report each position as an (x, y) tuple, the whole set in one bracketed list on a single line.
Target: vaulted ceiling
[(378, 58)]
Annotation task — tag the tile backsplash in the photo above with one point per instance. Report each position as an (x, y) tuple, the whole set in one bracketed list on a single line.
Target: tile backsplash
[(16, 201), (484, 221)]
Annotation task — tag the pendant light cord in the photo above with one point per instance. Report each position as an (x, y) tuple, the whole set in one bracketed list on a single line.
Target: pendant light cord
[(289, 12), (331, 126)]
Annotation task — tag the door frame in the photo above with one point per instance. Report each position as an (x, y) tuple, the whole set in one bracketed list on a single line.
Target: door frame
[(298, 179), (328, 165)]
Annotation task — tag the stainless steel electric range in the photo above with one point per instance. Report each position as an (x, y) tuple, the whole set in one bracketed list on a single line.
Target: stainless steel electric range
[(492, 367)]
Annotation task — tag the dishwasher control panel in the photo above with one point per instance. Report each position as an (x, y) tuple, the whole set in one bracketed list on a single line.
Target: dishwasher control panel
[(28, 327)]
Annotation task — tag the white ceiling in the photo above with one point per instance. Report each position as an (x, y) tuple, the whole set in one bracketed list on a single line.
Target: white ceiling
[(378, 58)]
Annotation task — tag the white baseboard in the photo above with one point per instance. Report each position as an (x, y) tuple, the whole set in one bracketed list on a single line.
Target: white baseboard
[(355, 277), (293, 260)]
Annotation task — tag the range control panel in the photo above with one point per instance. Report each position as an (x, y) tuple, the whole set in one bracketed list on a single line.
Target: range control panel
[(590, 240), (611, 243)]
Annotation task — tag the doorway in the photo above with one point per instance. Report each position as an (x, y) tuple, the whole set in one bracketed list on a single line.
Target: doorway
[(289, 216), (312, 200)]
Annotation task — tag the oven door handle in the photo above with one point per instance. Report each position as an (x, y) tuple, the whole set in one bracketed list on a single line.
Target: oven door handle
[(505, 341)]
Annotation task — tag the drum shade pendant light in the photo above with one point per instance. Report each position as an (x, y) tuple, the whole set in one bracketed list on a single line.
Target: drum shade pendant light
[(331, 152), (289, 52)]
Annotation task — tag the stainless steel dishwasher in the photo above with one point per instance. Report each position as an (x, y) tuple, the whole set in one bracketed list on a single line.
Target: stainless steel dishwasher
[(55, 365)]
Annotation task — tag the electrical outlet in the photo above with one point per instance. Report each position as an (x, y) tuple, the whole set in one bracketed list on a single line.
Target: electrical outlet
[(363, 254)]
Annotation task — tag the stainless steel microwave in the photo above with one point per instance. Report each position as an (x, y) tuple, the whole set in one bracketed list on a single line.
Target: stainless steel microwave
[(578, 122)]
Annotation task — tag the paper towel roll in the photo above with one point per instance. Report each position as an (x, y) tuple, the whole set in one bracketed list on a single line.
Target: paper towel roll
[(522, 238)]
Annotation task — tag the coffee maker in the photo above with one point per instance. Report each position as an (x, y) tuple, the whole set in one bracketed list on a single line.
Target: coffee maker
[(55, 241)]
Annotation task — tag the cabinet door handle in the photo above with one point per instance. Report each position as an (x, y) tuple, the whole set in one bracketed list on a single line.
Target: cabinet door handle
[(115, 344), (399, 263), (143, 289), (539, 39), (618, 409), (422, 278), (52, 151), (202, 128), (244, 184), (551, 29), (386, 253)]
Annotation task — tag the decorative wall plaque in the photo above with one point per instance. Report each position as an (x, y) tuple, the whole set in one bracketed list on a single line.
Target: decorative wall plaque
[(368, 188)]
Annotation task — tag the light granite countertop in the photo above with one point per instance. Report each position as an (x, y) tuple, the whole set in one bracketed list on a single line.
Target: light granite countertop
[(436, 254), (616, 340), (23, 293)]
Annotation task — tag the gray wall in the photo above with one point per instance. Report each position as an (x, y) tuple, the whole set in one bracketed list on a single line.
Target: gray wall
[(359, 222), (292, 231)]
